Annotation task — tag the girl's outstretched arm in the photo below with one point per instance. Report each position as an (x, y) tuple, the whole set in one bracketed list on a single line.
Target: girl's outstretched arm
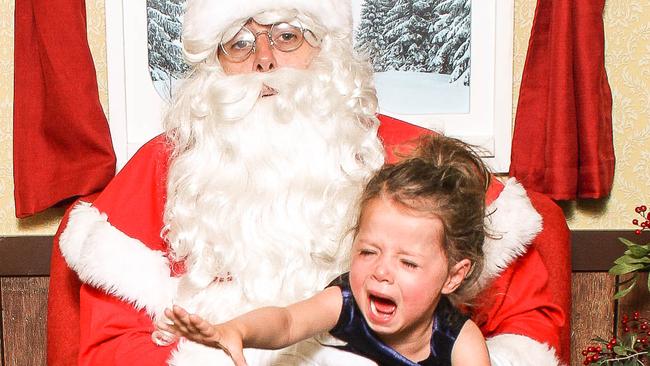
[(470, 348), (266, 328)]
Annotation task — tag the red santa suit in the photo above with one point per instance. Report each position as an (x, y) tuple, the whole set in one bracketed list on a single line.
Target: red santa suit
[(116, 248)]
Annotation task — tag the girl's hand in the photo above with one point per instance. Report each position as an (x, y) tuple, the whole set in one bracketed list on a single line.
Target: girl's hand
[(193, 327), (161, 335)]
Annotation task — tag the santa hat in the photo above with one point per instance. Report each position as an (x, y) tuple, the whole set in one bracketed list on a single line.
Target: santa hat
[(206, 20)]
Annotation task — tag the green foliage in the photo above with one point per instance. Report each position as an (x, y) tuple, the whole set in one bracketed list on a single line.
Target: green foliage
[(634, 260), (636, 257)]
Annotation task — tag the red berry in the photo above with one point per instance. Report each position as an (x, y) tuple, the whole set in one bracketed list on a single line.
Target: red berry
[(636, 315), (585, 362), (635, 222), (609, 346), (613, 340), (584, 352), (637, 232), (643, 208)]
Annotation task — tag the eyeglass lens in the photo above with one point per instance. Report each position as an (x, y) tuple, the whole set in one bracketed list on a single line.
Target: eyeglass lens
[(283, 36)]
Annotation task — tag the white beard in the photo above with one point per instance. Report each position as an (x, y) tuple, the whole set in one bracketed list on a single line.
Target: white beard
[(270, 200)]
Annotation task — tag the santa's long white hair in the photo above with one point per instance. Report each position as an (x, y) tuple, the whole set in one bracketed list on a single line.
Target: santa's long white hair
[(261, 192)]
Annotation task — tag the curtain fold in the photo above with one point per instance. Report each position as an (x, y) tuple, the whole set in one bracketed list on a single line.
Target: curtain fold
[(61, 140), (562, 144)]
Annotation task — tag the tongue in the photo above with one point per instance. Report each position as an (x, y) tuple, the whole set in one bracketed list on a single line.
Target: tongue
[(384, 306)]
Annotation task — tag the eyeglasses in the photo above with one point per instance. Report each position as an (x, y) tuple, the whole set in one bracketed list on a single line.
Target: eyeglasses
[(285, 37)]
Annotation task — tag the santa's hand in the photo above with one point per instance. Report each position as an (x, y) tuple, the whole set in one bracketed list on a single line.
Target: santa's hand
[(197, 329)]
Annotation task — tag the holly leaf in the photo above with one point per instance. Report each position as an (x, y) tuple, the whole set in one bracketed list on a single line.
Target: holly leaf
[(626, 291), (637, 251), (626, 242), (629, 259), (624, 268), (620, 350)]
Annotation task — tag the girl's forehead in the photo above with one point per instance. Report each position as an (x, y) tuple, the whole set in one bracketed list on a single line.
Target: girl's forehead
[(384, 223)]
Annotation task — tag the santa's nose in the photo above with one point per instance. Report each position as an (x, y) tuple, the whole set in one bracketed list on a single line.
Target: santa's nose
[(264, 57)]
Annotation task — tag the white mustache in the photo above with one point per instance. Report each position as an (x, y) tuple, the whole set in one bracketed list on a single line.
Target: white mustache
[(238, 94)]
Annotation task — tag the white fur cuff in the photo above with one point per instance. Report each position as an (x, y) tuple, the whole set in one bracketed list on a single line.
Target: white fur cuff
[(517, 350), (106, 258)]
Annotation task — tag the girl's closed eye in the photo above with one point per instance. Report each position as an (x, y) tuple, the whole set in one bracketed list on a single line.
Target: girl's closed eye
[(366, 252), (409, 264)]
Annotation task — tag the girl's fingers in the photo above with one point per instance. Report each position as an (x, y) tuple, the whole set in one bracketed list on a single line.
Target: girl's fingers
[(162, 338)]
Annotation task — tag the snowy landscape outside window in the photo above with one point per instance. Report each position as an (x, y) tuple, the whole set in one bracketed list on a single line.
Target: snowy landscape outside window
[(164, 25), (420, 51)]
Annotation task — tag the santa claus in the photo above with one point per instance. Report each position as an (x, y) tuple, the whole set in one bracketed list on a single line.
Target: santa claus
[(248, 197)]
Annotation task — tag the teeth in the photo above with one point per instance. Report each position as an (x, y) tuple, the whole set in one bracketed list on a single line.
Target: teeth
[(373, 308)]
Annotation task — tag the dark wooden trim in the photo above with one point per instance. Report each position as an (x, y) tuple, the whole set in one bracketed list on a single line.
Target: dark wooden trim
[(591, 251), (596, 250), (25, 256)]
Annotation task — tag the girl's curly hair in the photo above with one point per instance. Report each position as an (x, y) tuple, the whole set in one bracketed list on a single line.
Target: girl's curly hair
[(445, 178)]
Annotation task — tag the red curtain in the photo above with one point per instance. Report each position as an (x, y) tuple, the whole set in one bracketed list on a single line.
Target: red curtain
[(562, 144), (61, 141)]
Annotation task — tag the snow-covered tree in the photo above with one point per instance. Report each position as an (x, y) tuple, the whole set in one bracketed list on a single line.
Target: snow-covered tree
[(397, 33), (407, 35), (370, 33), (450, 53), (163, 41)]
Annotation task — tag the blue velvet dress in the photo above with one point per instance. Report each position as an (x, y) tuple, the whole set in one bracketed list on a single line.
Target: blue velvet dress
[(353, 329)]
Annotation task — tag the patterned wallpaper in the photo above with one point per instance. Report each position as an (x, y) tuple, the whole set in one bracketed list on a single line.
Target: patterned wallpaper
[(628, 63)]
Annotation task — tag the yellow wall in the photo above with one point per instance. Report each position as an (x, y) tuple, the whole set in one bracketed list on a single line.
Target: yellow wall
[(628, 65)]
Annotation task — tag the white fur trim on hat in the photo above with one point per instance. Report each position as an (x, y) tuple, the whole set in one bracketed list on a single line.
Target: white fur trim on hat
[(518, 350), (106, 258), (512, 224), (205, 20)]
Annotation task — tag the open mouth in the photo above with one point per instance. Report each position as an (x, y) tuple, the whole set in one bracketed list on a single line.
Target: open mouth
[(382, 308), (267, 91)]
